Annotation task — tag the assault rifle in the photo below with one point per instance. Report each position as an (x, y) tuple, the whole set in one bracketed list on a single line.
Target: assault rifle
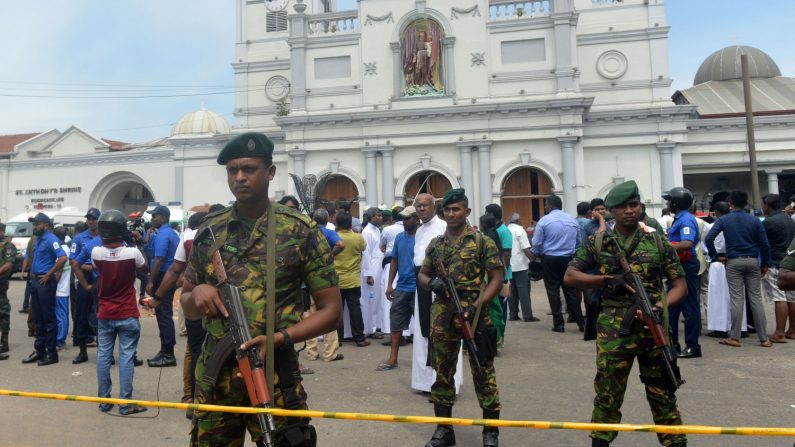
[(458, 315), (654, 323), (249, 360)]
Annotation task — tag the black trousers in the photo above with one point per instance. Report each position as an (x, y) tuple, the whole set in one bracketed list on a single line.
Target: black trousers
[(553, 268), (350, 298)]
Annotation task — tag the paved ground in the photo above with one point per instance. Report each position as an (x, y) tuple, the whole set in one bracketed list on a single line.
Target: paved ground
[(542, 376)]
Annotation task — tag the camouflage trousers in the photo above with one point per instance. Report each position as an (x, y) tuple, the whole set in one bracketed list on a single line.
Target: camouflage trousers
[(445, 342), (211, 429), (615, 354)]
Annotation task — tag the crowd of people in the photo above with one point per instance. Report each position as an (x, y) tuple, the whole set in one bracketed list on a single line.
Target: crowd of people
[(340, 280)]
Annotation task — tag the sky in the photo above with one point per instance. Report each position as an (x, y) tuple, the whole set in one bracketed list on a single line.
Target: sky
[(152, 61)]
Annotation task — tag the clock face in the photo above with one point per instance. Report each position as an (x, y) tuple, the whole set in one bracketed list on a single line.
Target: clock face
[(275, 5)]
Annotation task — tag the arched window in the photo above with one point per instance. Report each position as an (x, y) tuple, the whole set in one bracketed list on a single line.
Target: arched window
[(523, 192), (430, 182)]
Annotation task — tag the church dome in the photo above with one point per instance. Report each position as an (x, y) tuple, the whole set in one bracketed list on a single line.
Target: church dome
[(200, 122), (724, 65)]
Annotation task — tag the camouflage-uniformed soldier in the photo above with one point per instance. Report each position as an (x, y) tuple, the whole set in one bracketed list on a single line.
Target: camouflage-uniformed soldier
[(8, 254), (303, 256), (651, 256), (468, 257)]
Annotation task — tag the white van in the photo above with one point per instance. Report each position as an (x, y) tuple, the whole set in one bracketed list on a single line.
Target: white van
[(20, 230)]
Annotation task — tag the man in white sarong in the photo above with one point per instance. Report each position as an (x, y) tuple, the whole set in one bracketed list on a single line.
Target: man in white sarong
[(371, 272), (718, 299), (422, 375)]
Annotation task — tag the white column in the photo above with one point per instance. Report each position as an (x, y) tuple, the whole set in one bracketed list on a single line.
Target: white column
[(772, 181), (569, 166), (484, 176), (387, 177), (666, 149), (298, 157), (397, 70), (465, 154), (370, 185), (297, 43)]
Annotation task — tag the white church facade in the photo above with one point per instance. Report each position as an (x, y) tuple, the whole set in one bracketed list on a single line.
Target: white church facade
[(511, 100)]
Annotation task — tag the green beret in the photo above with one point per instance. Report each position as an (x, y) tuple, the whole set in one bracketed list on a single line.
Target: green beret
[(386, 213), (454, 196), (245, 145), (621, 193)]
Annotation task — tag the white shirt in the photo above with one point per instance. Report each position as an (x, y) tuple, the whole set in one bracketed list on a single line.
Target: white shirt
[(63, 283), (372, 256), (425, 233), (388, 236), (181, 254), (519, 260)]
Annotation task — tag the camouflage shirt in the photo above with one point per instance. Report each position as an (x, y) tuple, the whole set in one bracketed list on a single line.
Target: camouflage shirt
[(466, 260), (8, 253), (302, 256), (644, 260)]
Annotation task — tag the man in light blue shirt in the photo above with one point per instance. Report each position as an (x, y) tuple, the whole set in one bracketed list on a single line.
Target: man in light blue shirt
[(556, 237)]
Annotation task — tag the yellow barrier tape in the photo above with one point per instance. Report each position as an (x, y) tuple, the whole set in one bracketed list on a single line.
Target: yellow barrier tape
[(541, 425)]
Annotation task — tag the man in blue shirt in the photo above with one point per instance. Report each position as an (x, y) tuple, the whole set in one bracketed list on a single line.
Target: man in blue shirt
[(81, 334), (556, 237), (402, 294), (683, 235), (48, 259), (164, 246), (746, 245)]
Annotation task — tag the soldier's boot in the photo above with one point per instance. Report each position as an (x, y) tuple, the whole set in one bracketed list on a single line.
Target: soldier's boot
[(4, 343), (599, 443), (679, 444), (444, 436), (166, 358), (82, 356), (491, 435), (4, 356)]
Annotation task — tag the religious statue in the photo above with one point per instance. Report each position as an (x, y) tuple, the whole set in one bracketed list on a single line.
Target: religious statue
[(421, 46)]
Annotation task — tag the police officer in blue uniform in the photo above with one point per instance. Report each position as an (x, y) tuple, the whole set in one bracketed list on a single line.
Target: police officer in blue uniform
[(683, 235), (81, 334), (48, 259), (164, 247)]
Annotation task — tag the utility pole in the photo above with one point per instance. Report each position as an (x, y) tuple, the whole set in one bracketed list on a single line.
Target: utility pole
[(749, 126)]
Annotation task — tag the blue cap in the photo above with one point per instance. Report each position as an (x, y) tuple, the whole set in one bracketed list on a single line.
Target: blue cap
[(40, 217), (93, 213), (160, 209)]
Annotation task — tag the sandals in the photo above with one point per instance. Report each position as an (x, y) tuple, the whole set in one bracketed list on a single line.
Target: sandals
[(730, 342), (386, 366), (376, 336), (766, 344), (362, 343), (132, 409), (781, 339)]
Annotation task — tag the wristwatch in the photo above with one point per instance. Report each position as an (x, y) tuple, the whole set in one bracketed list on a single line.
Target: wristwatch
[(288, 341)]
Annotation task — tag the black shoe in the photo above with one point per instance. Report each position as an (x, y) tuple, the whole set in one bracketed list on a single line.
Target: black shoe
[(156, 358), (48, 359), (690, 353), (23, 311), (558, 329), (599, 443), (3, 348), (491, 438), (137, 362), (530, 319), (82, 357), (33, 357), (444, 436), (677, 348), (516, 318), (4, 356), (164, 361), (717, 334)]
